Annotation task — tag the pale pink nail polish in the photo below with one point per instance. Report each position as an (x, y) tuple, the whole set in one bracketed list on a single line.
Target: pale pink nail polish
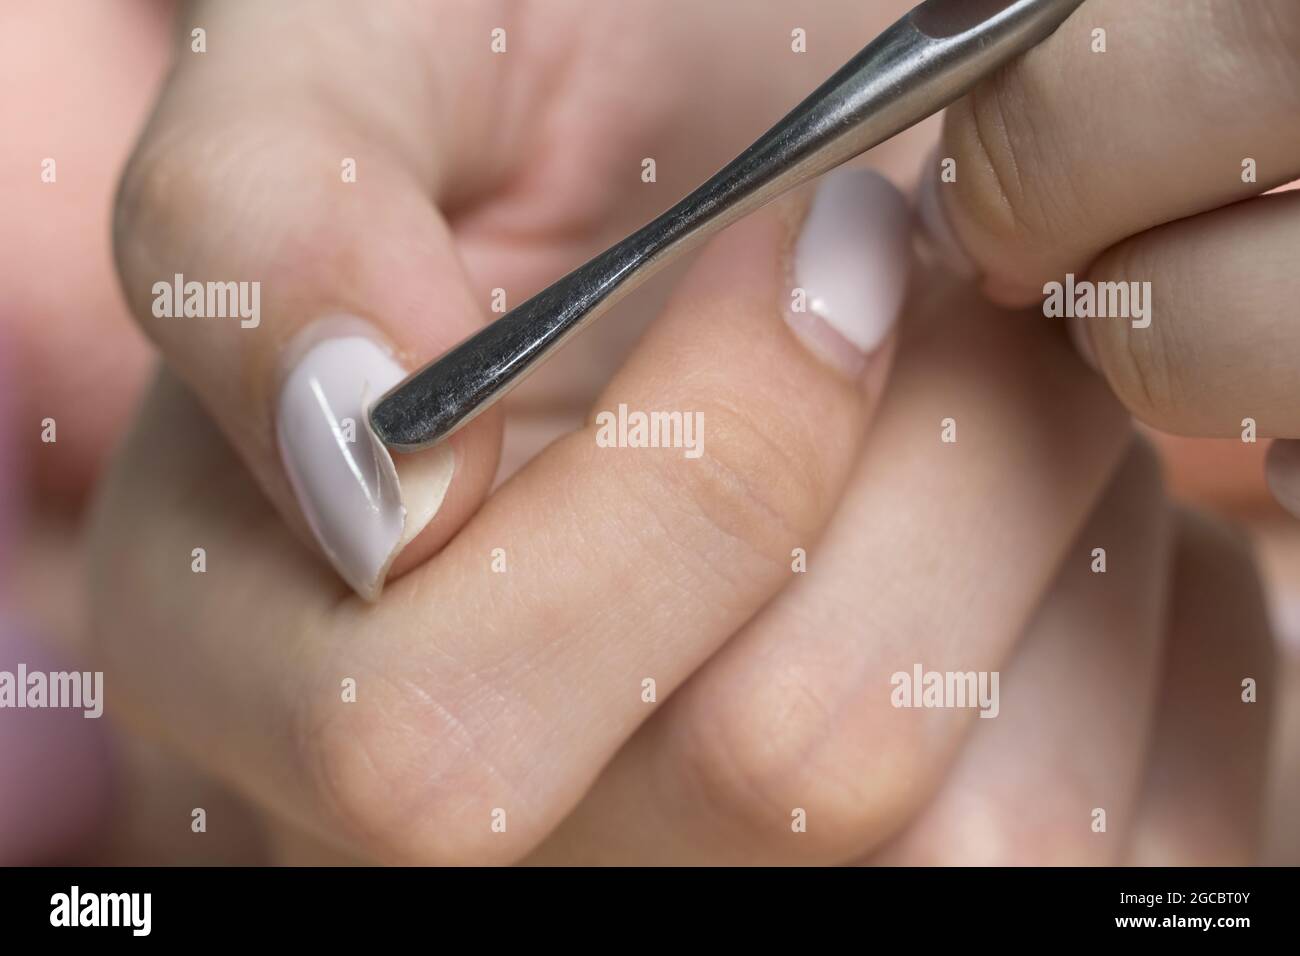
[(851, 263), (345, 479)]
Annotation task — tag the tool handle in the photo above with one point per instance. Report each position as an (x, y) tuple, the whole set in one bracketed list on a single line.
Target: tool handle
[(928, 59)]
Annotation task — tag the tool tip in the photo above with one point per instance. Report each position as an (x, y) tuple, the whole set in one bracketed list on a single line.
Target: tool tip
[(392, 425)]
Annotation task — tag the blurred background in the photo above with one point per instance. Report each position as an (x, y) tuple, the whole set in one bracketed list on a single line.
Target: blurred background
[(79, 80)]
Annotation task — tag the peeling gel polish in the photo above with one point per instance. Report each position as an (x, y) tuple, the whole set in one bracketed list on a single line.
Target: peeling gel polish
[(361, 511)]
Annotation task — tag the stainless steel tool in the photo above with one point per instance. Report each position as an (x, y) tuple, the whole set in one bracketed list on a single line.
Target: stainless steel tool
[(928, 59)]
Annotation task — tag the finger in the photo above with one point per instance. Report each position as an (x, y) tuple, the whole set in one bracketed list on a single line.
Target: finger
[(276, 239), (795, 714), (1215, 348), (1202, 797), (478, 691), (1069, 150), (1060, 765)]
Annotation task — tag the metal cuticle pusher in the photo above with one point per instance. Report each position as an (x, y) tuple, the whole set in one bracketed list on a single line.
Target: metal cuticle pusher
[(931, 57)]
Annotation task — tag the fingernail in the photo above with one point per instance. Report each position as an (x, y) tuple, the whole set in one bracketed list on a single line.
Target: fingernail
[(1282, 470), (936, 228), (851, 263), (362, 507)]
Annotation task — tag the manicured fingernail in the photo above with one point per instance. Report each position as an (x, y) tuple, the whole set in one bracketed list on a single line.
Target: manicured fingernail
[(936, 228), (851, 264), (1282, 470), (362, 508)]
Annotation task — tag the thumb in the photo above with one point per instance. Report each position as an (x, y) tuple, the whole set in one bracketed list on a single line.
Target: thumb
[(289, 263)]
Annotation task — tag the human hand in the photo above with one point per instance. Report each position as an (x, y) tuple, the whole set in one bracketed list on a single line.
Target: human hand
[(478, 692), (519, 697), (1145, 166), (474, 172)]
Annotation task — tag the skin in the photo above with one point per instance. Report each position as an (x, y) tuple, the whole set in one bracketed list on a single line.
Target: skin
[(473, 699), (479, 691), (1181, 215)]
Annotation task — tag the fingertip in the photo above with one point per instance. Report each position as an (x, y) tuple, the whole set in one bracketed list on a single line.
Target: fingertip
[(941, 243)]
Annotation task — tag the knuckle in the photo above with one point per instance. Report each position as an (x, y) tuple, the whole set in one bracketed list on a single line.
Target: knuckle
[(744, 773), (756, 482), (213, 194), (167, 202), (754, 765), (405, 778), (157, 190)]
